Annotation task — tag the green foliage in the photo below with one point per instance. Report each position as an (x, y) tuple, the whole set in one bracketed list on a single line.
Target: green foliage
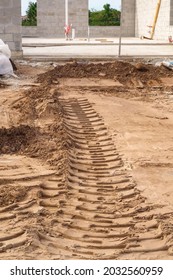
[(31, 14), (105, 17)]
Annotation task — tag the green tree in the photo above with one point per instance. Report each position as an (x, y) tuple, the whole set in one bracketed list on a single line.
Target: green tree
[(107, 9), (105, 17), (31, 14)]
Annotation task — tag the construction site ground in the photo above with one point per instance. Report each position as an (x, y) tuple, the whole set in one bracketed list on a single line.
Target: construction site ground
[(86, 161)]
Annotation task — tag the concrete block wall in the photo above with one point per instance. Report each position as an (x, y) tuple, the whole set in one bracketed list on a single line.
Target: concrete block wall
[(10, 25), (78, 16), (145, 12), (104, 31), (51, 17), (29, 31), (128, 18)]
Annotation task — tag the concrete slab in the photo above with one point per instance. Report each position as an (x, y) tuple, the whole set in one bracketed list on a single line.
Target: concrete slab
[(94, 49), (35, 41)]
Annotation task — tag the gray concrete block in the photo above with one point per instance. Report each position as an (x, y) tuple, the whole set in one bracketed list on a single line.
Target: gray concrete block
[(10, 23), (8, 37)]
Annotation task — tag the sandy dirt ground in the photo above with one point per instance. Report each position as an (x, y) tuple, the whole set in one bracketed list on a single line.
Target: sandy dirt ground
[(86, 161)]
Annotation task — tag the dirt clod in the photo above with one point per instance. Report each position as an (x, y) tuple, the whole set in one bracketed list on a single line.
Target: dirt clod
[(15, 139)]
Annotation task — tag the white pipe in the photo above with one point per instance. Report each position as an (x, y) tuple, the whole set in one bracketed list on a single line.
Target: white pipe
[(120, 35), (66, 12), (88, 32)]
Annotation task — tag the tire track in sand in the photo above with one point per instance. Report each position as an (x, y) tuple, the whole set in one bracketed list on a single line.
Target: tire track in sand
[(91, 209), (104, 215)]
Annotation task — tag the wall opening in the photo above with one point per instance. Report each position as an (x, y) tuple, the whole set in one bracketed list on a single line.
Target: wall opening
[(104, 12), (29, 12)]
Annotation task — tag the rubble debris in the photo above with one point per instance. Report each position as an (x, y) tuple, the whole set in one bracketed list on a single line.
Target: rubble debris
[(168, 64)]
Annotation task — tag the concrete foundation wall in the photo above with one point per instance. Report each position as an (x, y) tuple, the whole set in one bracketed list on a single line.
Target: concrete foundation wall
[(30, 31), (104, 31), (95, 31), (145, 13), (10, 24)]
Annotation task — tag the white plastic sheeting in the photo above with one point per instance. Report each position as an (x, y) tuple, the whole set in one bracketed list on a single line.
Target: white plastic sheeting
[(5, 64), (4, 48)]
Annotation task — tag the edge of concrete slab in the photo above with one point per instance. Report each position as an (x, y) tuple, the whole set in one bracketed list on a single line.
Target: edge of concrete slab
[(32, 45), (91, 58)]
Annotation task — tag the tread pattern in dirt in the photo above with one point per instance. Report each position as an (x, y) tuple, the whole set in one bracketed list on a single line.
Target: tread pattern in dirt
[(105, 215), (92, 209)]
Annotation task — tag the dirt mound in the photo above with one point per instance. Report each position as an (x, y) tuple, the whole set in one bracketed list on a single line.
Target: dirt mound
[(122, 71), (15, 139), (41, 107), (48, 145)]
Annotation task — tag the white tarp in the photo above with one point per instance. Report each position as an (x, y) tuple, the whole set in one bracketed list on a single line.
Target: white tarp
[(5, 64), (4, 48)]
